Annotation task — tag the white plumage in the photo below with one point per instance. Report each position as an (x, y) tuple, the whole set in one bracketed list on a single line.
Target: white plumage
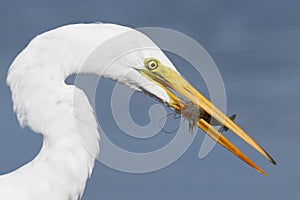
[(45, 103)]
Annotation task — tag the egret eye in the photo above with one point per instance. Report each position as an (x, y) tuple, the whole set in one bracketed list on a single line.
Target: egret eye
[(152, 65)]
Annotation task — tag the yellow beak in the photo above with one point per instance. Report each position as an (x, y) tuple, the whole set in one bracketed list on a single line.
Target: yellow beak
[(168, 79)]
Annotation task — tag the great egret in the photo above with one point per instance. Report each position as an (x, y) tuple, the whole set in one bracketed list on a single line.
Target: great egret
[(45, 103)]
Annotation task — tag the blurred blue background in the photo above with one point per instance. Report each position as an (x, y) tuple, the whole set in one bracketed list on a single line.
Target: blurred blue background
[(255, 44)]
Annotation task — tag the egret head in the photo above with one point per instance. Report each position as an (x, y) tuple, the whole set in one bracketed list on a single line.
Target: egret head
[(133, 59)]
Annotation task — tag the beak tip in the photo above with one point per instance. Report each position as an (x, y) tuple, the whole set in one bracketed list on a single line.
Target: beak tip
[(262, 171), (270, 158), (274, 162)]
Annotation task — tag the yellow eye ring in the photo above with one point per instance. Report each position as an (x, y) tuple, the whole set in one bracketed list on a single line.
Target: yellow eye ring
[(152, 65)]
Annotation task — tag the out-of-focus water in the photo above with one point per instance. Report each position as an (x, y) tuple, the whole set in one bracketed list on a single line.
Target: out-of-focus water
[(256, 45)]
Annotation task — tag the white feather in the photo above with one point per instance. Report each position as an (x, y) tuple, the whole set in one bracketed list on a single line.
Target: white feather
[(46, 104)]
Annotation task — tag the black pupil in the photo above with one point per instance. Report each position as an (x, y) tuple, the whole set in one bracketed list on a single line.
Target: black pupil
[(153, 65)]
